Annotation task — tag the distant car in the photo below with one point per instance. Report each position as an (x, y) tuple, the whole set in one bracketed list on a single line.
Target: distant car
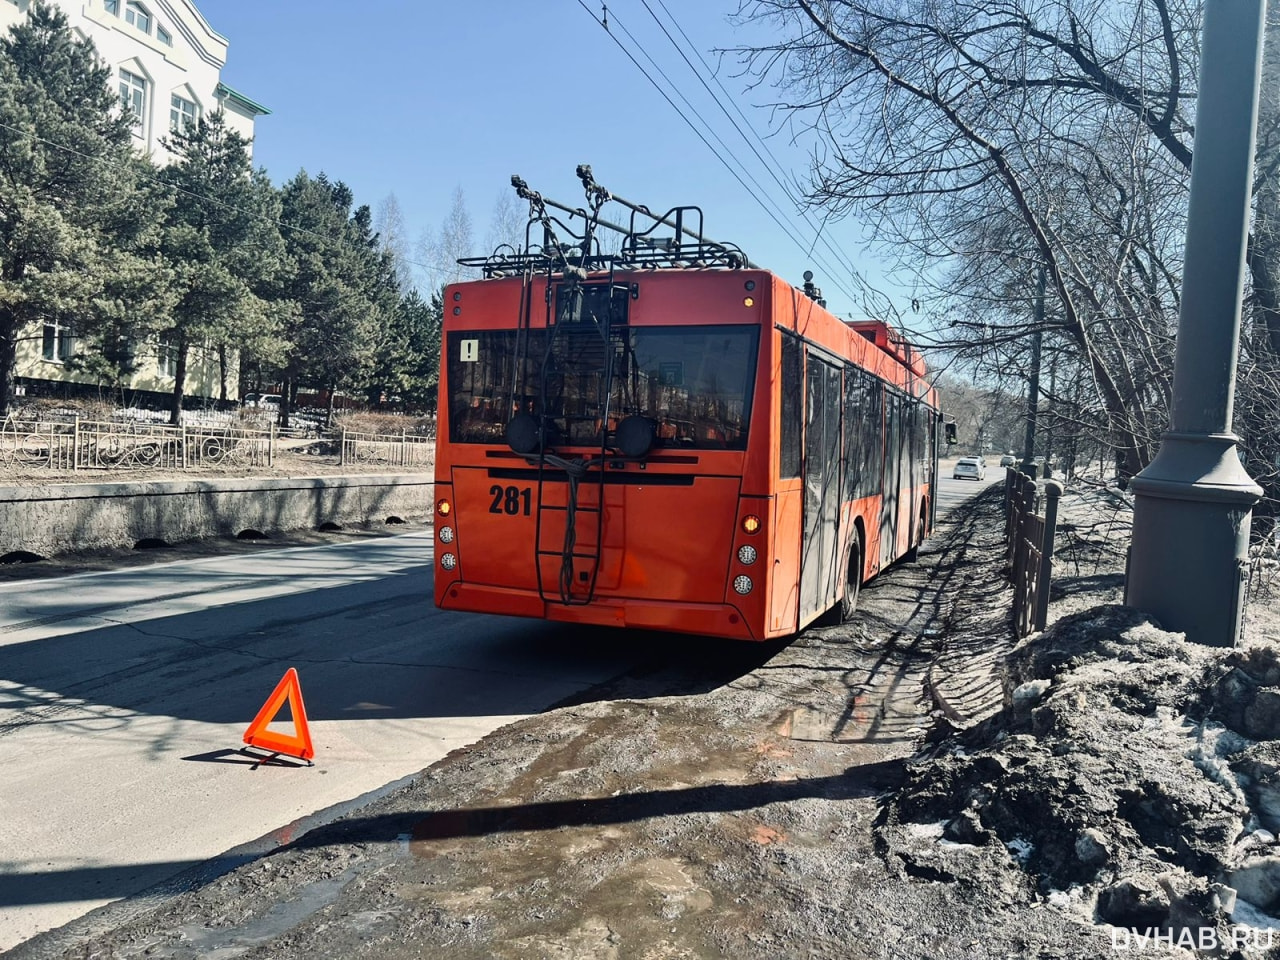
[(969, 468), (262, 400), (1008, 460)]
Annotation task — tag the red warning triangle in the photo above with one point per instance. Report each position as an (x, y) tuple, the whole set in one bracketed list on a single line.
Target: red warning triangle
[(299, 745)]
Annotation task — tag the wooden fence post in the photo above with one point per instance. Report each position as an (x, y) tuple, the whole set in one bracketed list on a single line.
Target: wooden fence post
[(1052, 491)]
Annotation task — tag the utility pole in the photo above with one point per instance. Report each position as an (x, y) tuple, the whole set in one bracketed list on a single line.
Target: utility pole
[(1033, 381), (1189, 560)]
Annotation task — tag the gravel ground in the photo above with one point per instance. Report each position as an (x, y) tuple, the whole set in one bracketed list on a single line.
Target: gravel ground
[(909, 785)]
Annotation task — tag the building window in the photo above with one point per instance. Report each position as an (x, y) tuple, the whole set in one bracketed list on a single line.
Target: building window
[(166, 358), (136, 14), (133, 92), (164, 36), (59, 343), (182, 114), (111, 6)]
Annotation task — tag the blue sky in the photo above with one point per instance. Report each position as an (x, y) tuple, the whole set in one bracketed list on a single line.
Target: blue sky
[(422, 98)]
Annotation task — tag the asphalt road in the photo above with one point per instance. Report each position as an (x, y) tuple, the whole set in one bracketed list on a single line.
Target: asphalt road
[(952, 493), (124, 696)]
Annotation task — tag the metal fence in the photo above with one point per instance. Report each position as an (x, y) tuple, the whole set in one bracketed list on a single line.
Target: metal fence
[(405, 450), (103, 445), (1030, 535)]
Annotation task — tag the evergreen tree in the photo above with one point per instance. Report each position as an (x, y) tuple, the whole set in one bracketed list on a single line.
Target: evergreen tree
[(224, 246), (408, 364), (342, 283), (76, 234)]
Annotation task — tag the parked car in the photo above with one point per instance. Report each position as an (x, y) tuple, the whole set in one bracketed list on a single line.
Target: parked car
[(266, 401), (970, 468), (1008, 460)]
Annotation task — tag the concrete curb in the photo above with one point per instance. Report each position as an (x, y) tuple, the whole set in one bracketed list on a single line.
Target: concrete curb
[(58, 518)]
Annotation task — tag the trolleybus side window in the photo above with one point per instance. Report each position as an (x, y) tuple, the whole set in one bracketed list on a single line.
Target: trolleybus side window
[(872, 431), (853, 432), (792, 409)]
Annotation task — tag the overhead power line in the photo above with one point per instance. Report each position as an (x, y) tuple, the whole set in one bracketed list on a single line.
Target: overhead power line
[(785, 228)]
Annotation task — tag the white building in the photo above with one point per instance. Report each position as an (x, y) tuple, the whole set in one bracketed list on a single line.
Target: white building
[(167, 63)]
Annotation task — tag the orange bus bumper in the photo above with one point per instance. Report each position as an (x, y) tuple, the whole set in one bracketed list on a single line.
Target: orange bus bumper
[(709, 619)]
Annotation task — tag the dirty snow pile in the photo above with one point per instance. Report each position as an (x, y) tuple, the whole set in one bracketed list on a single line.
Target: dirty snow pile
[(1130, 776)]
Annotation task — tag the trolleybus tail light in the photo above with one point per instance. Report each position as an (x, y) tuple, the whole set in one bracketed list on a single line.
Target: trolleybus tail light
[(741, 584), (449, 561), (746, 553), (750, 523), (443, 507), (446, 535), (748, 301)]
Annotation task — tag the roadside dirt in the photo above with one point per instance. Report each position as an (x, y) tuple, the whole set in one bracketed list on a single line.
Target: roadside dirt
[(909, 785)]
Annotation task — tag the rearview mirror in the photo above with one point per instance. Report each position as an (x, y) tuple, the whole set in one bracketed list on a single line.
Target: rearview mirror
[(951, 432)]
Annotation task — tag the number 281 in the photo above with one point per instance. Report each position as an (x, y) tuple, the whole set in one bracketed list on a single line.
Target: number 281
[(510, 500)]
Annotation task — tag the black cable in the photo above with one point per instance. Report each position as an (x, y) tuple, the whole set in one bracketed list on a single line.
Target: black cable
[(782, 226), (761, 191), (776, 164)]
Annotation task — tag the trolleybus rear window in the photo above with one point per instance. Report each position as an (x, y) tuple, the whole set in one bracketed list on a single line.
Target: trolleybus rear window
[(695, 383)]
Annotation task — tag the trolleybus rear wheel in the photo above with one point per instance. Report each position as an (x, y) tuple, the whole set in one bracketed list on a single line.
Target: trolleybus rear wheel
[(912, 555), (845, 607)]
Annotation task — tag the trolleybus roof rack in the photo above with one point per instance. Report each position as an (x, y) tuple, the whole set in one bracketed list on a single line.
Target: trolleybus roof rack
[(649, 240)]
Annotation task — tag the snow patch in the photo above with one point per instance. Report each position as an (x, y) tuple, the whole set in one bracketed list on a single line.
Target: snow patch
[(927, 831), (1245, 914), (1021, 849)]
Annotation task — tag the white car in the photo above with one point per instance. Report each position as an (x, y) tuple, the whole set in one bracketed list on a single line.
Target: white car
[(969, 468)]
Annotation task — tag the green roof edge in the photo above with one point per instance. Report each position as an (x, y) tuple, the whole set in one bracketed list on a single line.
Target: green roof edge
[(231, 93)]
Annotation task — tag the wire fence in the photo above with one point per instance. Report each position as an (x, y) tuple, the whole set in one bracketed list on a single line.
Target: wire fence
[(406, 450), (104, 445)]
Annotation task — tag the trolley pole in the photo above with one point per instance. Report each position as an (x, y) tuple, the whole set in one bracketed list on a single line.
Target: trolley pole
[(1193, 504)]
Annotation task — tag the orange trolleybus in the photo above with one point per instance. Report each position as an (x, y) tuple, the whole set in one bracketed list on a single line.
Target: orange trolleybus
[(669, 438)]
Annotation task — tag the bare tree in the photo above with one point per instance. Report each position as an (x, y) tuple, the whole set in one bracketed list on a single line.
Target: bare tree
[(393, 236), (440, 250), (984, 143), (506, 223)]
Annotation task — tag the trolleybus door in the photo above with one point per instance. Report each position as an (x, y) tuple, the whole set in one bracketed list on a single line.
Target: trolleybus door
[(822, 489), (912, 446), (892, 478)]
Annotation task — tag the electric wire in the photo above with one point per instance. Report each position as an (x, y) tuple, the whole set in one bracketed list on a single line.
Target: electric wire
[(761, 191), (699, 134), (773, 166)]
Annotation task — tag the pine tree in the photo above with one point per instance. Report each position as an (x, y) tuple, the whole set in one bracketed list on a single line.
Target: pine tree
[(343, 285), (409, 361), (223, 244)]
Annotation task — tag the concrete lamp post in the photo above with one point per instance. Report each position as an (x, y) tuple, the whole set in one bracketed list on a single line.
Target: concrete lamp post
[(1193, 504)]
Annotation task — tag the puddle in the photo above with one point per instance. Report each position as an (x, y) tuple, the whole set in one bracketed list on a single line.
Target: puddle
[(225, 943)]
